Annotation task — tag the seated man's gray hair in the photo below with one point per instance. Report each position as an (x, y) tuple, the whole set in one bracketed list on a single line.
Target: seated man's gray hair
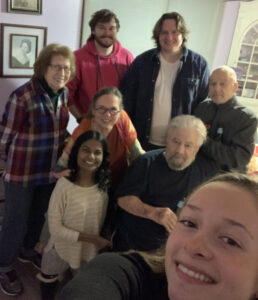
[(189, 121)]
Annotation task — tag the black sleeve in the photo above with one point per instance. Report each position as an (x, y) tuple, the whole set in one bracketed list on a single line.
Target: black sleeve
[(110, 276), (203, 88), (135, 180), (237, 153), (129, 89), (234, 149)]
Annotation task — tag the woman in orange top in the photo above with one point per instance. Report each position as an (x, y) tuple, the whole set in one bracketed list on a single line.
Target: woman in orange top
[(106, 115)]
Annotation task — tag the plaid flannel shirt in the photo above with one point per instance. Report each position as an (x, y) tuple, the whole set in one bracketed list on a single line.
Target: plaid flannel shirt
[(32, 134)]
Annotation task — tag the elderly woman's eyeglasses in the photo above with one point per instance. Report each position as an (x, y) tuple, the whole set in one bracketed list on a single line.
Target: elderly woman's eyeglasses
[(102, 110), (58, 68)]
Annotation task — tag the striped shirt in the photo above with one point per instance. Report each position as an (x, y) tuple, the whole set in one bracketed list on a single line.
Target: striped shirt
[(74, 209), (32, 134)]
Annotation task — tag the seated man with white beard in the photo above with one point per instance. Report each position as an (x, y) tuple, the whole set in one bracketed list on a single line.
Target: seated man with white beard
[(156, 182)]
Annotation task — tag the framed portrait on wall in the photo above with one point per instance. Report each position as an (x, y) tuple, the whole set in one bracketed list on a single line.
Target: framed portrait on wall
[(25, 6), (23, 50), (20, 46)]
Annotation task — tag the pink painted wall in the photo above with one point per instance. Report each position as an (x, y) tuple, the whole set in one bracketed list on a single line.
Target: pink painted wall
[(63, 20)]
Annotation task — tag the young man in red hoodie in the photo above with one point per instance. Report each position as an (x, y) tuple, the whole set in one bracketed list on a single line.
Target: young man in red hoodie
[(100, 62)]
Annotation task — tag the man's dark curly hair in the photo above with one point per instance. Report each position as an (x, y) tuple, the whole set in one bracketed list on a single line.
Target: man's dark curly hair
[(102, 16), (102, 174)]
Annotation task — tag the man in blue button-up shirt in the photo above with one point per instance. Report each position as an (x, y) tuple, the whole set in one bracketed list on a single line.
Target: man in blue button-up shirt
[(164, 82)]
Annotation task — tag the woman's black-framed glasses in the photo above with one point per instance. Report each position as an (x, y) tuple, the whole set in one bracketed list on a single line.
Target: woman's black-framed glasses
[(103, 110)]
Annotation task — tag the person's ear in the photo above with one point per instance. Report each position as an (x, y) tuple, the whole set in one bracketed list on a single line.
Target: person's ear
[(235, 86)]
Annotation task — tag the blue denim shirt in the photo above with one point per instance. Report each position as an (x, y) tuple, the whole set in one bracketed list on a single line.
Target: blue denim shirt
[(138, 85)]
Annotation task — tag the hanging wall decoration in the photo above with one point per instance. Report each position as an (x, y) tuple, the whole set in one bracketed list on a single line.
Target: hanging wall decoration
[(20, 46), (25, 6)]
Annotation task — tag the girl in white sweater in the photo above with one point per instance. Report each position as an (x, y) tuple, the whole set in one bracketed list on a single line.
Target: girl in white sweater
[(76, 211)]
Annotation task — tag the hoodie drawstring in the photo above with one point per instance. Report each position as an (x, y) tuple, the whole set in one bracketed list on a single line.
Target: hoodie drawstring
[(117, 69), (99, 74)]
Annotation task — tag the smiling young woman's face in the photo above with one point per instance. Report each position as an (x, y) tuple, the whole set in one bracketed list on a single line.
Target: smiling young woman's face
[(90, 156), (213, 251)]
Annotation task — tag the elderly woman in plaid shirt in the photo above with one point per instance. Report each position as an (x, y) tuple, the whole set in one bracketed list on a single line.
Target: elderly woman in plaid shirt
[(32, 133)]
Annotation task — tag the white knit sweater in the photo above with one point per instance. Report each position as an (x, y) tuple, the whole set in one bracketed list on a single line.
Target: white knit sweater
[(74, 209)]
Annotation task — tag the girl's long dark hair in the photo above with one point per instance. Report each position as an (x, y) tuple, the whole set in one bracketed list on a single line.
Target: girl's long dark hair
[(102, 174)]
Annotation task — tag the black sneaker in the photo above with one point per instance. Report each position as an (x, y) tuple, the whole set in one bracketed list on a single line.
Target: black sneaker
[(10, 284), (30, 256)]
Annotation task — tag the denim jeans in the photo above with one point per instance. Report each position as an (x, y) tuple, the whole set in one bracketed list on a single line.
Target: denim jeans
[(25, 208)]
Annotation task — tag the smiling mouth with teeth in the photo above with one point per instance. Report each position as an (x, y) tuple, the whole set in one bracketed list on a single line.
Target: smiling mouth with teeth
[(194, 275)]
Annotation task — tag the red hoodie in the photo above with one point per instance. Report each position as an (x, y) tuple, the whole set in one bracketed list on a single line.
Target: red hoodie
[(93, 71)]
